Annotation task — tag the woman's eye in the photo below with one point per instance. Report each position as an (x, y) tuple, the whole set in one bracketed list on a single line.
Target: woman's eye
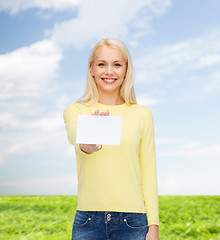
[(118, 65), (101, 64)]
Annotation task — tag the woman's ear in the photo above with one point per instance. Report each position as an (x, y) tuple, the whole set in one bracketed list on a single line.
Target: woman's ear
[(91, 70), (125, 72)]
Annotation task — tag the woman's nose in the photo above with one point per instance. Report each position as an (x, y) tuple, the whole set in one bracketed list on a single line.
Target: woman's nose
[(109, 69)]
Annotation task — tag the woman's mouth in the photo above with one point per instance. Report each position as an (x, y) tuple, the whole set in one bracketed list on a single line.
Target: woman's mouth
[(109, 80)]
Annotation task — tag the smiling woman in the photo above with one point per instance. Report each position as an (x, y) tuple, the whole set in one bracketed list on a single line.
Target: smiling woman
[(108, 70), (117, 185), (109, 59)]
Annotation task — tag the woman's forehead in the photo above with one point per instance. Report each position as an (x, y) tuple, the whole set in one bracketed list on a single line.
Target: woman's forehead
[(107, 52)]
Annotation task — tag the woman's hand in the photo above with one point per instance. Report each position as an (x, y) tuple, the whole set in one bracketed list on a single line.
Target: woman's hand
[(90, 148), (153, 233)]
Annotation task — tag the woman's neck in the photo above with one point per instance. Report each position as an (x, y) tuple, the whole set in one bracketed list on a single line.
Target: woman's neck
[(110, 100)]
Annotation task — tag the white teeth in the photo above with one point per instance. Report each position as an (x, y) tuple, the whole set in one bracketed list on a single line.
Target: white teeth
[(109, 80)]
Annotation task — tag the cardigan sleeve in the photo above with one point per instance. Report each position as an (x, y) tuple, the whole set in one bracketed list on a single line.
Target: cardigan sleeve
[(70, 116), (147, 159)]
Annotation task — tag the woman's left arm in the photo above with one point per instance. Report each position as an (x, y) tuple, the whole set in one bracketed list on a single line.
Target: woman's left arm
[(147, 158)]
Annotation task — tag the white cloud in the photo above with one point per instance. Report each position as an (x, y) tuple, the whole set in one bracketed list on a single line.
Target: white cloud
[(208, 60), (15, 6), (213, 84), (27, 122), (28, 127), (53, 121), (97, 19), (59, 185), (2, 159), (191, 55), (199, 184), (18, 143), (36, 141), (194, 150), (193, 169), (26, 70), (37, 133), (169, 140), (147, 101), (192, 145), (191, 68)]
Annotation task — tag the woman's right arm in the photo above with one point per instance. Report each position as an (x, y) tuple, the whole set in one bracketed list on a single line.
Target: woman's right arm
[(90, 148), (70, 119)]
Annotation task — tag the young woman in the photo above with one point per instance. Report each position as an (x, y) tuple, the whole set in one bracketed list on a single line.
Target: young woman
[(117, 185)]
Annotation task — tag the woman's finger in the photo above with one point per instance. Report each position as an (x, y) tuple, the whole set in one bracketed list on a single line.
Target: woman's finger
[(99, 146), (96, 112), (107, 113)]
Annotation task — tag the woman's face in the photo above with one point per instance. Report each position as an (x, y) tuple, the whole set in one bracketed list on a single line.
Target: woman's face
[(108, 69)]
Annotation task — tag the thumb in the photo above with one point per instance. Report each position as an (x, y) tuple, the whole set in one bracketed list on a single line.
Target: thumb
[(99, 146)]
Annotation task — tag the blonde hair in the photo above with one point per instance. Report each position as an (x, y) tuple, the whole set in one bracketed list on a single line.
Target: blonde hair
[(91, 95)]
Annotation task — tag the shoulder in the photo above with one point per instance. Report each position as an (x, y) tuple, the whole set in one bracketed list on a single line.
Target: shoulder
[(141, 109), (71, 109)]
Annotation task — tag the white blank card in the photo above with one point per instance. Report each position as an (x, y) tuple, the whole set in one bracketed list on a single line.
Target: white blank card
[(93, 129)]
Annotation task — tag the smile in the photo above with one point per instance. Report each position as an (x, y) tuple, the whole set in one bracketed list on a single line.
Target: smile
[(109, 80)]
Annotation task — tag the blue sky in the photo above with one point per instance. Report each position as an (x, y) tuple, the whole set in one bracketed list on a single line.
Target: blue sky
[(44, 49)]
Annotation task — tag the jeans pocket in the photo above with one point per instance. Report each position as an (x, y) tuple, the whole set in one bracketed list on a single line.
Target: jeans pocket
[(136, 220), (81, 218)]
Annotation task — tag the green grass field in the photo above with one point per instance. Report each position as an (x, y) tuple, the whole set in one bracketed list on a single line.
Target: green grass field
[(51, 217)]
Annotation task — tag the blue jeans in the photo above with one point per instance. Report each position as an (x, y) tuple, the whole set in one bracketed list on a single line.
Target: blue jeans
[(100, 225)]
